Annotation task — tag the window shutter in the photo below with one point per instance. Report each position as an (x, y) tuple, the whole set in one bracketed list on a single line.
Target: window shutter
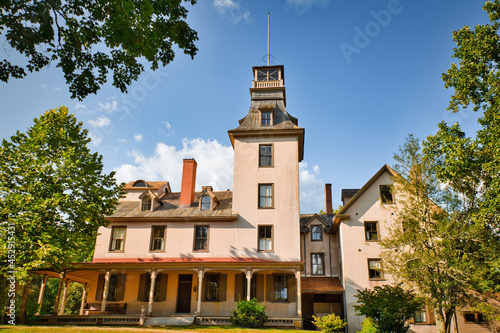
[(141, 294), (239, 280), (222, 287), (162, 288), (269, 287), (122, 278), (100, 288), (292, 288), (259, 293), (430, 318), (204, 289)]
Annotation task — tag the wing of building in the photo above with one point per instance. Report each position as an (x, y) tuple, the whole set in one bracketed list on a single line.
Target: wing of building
[(191, 255)]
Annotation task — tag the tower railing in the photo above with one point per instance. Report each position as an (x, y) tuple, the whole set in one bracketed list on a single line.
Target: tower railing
[(267, 84)]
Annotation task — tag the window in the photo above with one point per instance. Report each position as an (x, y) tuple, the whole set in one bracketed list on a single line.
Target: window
[(158, 238), (117, 239), (268, 75), (265, 196), (116, 287), (212, 287), (205, 202), (375, 269), (318, 263), (420, 316), (139, 183), (265, 155), (470, 317), (280, 288), (201, 238), (386, 194), (371, 233), (156, 292), (316, 233), (146, 204), (265, 238), (265, 118)]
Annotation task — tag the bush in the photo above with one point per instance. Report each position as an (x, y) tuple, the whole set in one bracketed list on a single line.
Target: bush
[(368, 326), (249, 314), (330, 324)]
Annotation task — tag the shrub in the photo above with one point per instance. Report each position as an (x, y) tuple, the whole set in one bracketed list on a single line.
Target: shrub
[(249, 314), (368, 326), (330, 323)]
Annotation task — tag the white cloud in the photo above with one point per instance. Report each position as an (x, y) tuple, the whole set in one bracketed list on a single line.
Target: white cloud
[(81, 107), (231, 10), (108, 107), (311, 189), (95, 139), (215, 164), (138, 137), (302, 5), (102, 121), (57, 89), (123, 140)]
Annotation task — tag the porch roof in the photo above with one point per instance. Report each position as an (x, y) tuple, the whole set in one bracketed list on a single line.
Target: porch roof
[(321, 285)]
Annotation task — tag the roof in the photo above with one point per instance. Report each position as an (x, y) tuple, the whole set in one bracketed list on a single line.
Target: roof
[(306, 218), (153, 185), (348, 192), (322, 285), (171, 208)]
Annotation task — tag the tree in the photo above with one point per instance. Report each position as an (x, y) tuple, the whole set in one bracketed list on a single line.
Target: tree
[(89, 38), (389, 306), (430, 248), (53, 196)]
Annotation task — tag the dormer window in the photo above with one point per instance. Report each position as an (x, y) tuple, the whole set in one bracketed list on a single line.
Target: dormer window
[(205, 203), (265, 118), (146, 204), (139, 183)]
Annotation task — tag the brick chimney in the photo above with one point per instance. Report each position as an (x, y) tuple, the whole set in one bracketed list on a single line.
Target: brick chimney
[(188, 182), (328, 199)]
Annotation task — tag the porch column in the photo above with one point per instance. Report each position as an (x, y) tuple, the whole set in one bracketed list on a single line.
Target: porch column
[(55, 311), (84, 298), (249, 283), (151, 292), (299, 293), (201, 272), (63, 302), (105, 291), (42, 292)]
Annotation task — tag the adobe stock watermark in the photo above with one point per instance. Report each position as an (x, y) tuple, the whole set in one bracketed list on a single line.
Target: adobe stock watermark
[(363, 36), (10, 275)]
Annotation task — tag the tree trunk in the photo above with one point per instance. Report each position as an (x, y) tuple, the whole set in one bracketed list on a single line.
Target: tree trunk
[(24, 303), (440, 321)]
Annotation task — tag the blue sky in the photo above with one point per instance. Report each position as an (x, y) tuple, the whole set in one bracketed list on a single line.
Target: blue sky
[(360, 75)]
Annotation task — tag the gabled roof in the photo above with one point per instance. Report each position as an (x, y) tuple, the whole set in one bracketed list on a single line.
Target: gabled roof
[(306, 219), (153, 196), (348, 192), (341, 214), (207, 190)]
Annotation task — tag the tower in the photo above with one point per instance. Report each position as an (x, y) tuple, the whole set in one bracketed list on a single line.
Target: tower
[(268, 146)]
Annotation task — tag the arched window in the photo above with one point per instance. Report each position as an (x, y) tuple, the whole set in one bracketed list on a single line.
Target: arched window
[(205, 202), (146, 203), (139, 183), (316, 233)]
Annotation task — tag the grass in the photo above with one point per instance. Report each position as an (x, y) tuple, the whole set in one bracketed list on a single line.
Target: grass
[(160, 329)]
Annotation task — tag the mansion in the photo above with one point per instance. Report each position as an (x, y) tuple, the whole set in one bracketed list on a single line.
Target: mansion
[(192, 254)]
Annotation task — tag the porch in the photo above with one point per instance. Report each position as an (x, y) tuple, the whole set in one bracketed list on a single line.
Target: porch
[(207, 291)]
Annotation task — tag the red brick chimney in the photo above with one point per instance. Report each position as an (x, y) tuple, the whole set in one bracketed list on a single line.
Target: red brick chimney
[(328, 199), (188, 182)]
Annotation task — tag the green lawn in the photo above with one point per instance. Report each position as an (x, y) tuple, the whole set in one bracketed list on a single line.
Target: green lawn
[(161, 329)]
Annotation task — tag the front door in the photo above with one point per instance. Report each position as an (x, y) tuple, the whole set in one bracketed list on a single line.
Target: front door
[(184, 293)]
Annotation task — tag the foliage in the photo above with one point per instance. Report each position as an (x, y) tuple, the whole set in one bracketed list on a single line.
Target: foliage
[(390, 306), (55, 194), (490, 312), (430, 248), (330, 323), (368, 326), (89, 38), (249, 314), (73, 299)]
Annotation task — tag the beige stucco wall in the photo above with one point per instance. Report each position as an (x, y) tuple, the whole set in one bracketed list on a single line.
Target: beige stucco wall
[(328, 246), (356, 250)]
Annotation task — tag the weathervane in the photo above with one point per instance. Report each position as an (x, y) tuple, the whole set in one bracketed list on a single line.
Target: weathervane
[(268, 36)]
